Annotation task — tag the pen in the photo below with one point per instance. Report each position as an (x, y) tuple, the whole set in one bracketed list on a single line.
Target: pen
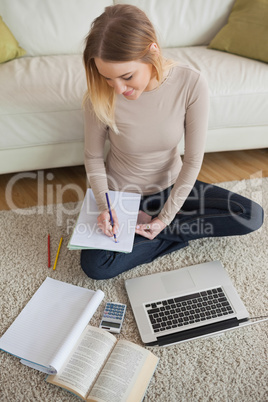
[(56, 259), (48, 251), (110, 212)]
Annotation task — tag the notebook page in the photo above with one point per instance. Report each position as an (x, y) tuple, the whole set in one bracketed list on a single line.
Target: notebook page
[(46, 321), (77, 330), (87, 234)]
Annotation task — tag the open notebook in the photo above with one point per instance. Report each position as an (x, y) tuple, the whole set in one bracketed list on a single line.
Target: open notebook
[(86, 233), (50, 324)]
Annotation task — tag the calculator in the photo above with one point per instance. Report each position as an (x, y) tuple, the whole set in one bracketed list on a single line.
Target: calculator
[(113, 317)]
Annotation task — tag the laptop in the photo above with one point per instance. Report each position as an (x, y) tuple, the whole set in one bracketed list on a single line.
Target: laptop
[(185, 304)]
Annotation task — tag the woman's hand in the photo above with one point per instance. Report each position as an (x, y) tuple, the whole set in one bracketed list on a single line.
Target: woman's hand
[(151, 228), (104, 223)]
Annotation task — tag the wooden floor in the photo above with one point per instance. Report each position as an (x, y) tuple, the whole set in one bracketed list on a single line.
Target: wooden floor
[(21, 190)]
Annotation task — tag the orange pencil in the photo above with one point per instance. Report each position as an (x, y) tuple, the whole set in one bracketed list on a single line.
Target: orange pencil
[(56, 259)]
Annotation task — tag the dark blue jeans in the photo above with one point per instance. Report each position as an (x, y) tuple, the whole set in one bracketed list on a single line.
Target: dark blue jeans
[(209, 211)]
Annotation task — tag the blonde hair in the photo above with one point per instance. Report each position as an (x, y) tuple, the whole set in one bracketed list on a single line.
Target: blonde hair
[(122, 33)]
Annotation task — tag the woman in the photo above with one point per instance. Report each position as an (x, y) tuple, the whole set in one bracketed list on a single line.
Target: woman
[(145, 105)]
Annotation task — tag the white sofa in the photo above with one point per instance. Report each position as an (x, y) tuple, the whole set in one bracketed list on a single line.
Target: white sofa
[(41, 120)]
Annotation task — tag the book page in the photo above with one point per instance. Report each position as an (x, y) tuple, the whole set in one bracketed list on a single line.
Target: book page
[(126, 375), (85, 362), (53, 319), (87, 234)]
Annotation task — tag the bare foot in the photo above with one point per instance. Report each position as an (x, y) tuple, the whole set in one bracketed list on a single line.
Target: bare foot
[(143, 218)]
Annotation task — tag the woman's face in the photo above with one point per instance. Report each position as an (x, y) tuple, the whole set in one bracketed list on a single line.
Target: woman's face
[(130, 78)]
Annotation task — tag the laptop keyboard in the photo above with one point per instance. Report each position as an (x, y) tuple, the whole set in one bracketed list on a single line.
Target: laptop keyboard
[(189, 309)]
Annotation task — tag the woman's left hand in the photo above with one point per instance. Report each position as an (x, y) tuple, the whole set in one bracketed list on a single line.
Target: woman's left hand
[(150, 230)]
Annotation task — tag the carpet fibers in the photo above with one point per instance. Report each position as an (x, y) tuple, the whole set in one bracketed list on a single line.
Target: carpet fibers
[(231, 367)]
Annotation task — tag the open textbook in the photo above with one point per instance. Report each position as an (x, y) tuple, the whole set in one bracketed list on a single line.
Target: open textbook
[(87, 234), (102, 369), (50, 324)]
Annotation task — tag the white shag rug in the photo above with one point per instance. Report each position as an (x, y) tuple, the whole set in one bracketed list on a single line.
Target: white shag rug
[(231, 367)]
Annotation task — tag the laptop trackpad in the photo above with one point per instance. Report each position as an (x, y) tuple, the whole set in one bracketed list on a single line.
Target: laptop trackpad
[(178, 281)]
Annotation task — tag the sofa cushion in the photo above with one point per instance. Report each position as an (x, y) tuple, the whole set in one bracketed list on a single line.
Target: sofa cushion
[(185, 22), (238, 86), (47, 27), (246, 33), (41, 101), (49, 91), (9, 47)]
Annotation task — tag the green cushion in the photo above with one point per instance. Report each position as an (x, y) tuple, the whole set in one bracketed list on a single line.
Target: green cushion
[(246, 32), (9, 47)]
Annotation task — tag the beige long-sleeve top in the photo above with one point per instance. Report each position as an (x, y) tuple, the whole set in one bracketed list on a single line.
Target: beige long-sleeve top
[(144, 156)]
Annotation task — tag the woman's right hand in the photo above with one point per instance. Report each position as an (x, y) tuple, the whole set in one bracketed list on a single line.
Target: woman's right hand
[(104, 223)]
